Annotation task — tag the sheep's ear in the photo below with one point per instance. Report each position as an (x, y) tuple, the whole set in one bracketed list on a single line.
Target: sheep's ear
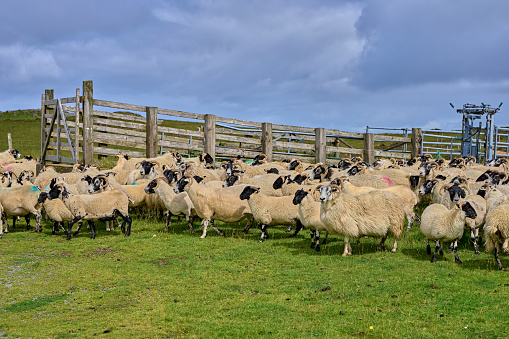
[(138, 165)]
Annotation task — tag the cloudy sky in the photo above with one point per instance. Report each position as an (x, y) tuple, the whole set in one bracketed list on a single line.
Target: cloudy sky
[(317, 63)]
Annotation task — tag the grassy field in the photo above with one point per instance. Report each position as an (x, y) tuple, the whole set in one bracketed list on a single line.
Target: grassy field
[(155, 284)]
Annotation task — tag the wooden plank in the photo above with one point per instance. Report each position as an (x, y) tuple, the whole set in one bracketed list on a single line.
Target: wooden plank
[(88, 122), (121, 116), (231, 152), (112, 151), (235, 138), (392, 155), (267, 140), (119, 123), (62, 100), (294, 145), (151, 132), (335, 132), (197, 142), (235, 132), (119, 143), (117, 137), (239, 122), (297, 129), (69, 108), (381, 137), (119, 105), (344, 150), (170, 130), (181, 114), (120, 131), (180, 145)]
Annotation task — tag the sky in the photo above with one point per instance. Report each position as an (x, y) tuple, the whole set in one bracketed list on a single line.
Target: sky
[(316, 63)]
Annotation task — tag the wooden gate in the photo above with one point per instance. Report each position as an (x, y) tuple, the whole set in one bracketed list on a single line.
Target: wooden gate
[(62, 141)]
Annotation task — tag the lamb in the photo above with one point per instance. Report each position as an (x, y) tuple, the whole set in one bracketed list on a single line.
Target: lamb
[(373, 214), (93, 207), (175, 204), (478, 203), (309, 216), (269, 211), (22, 201), (212, 204), (438, 223), (55, 211)]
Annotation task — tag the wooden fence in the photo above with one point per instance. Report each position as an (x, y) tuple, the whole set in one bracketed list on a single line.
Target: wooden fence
[(99, 132)]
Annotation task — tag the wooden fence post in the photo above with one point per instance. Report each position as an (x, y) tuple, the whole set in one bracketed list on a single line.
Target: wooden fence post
[(320, 144), (9, 140), (88, 122), (151, 131), (267, 140), (48, 95), (416, 142), (209, 133), (369, 148)]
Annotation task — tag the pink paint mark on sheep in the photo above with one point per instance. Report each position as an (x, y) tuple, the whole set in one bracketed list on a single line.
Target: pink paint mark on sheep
[(388, 180), (10, 168)]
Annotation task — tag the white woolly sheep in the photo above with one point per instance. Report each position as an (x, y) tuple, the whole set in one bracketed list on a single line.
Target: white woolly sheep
[(265, 182), (22, 201), (270, 211), (496, 228), (309, 216), (93, 207), (9, 155), (212, 204), (372, 214), (439, 224), (175, 204)]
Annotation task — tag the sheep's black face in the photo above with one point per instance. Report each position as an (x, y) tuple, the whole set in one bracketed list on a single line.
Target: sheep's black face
[(344, 164), (170, 175), (278, 183), (272, 170), (299, 179), (353, 171), (179, 186), (28, 157), (494, 178), (411, 162), (482, 192), (456, 193), (258, 160), (146, 167), (14, 152), (96, 184), (231, 180), (299, 196), (414, 181), (293, 165), (469, 210), (42, 197), (198, 178), (150, 187), (247, 192), (54, 192), (316, 172), (427, 187)]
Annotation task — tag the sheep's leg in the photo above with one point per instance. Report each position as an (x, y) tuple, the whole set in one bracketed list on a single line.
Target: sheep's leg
[(14, 222), (264, 235), (347, 250), (168, 220), (216, 229), (317, 238), (394, 246), (473, 237), (441, 249), (128, 220), (495, 252), (248, 225), (109, 227), (92, 228), (297, 229), (190, 223), (289, 228), (72, 222), (456, 257), (325, 238), (80, 223), (27, 219), (428, 247), (312, 234), (55, 227), (381, 244), (437, 247), (4, 221), (451, 248), (410, 223), (205, 223)]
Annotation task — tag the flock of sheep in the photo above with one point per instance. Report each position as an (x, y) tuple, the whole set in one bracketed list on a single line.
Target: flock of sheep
[(351, 199)]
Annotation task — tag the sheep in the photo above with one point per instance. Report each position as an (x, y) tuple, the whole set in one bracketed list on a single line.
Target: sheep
[(22, 201), (407, 196), (251, 171), (269, 211), (212, 204), (18, 168), (374, 214), (309, 215), (56, 211), (93, 207), (204, 160), (9, 155), (205, 173), (144, 170), (438, 223), (496, 229), (175, 204), (478, 203), (1, 222)]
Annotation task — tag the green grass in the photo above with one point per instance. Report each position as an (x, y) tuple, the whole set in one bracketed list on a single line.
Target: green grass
[(156, 284)]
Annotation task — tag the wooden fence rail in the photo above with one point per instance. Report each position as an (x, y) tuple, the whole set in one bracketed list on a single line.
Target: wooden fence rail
[(102, 133)]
